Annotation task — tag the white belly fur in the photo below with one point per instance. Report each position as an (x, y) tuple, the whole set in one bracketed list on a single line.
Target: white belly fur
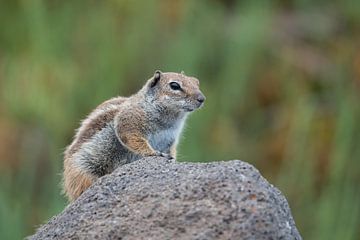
[(162, 140)]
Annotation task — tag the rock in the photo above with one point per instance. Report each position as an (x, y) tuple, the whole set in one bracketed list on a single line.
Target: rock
[(154, 198)]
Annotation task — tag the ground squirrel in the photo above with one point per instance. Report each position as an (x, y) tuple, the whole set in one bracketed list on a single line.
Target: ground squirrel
[(122, 130)]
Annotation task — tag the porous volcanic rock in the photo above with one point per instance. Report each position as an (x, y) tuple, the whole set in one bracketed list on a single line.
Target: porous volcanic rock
[(154, 198)]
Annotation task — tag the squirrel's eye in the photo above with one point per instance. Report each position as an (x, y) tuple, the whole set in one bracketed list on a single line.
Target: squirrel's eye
[(175, 86)]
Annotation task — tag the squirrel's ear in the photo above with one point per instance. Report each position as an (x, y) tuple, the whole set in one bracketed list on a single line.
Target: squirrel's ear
[(156, 78)]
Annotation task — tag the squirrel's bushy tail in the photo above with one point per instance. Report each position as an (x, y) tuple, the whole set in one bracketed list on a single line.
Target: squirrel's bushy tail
[(75, 180)]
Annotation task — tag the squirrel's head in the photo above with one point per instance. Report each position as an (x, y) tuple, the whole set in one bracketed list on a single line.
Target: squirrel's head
[(175, 91)]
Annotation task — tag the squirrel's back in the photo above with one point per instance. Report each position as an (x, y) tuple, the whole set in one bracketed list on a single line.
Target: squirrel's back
[(95, 122)]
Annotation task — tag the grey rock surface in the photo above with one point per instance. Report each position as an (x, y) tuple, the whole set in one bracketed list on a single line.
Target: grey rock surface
[(154, 198)]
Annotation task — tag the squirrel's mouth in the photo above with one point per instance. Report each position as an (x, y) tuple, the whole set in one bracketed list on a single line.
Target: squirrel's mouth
[(188, 109), (193, 108)]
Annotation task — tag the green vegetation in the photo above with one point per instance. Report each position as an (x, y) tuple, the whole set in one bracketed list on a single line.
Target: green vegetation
[(282, 82)]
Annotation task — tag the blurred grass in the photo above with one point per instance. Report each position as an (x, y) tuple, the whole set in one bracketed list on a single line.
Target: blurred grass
[(282, 81)]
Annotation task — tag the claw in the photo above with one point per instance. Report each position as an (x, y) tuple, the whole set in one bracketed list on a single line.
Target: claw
[(165, 155)]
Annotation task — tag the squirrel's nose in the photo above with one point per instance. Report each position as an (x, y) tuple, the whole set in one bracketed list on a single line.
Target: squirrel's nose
[(201, 98)]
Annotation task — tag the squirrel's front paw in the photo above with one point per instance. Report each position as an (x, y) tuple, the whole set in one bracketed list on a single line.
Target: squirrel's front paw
[(165, 155)]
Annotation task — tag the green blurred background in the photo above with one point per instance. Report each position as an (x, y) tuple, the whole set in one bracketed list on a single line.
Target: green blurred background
[(282, 81)]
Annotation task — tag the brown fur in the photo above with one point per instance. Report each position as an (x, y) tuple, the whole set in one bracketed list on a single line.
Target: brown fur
[(138, 144), (76, 181)]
